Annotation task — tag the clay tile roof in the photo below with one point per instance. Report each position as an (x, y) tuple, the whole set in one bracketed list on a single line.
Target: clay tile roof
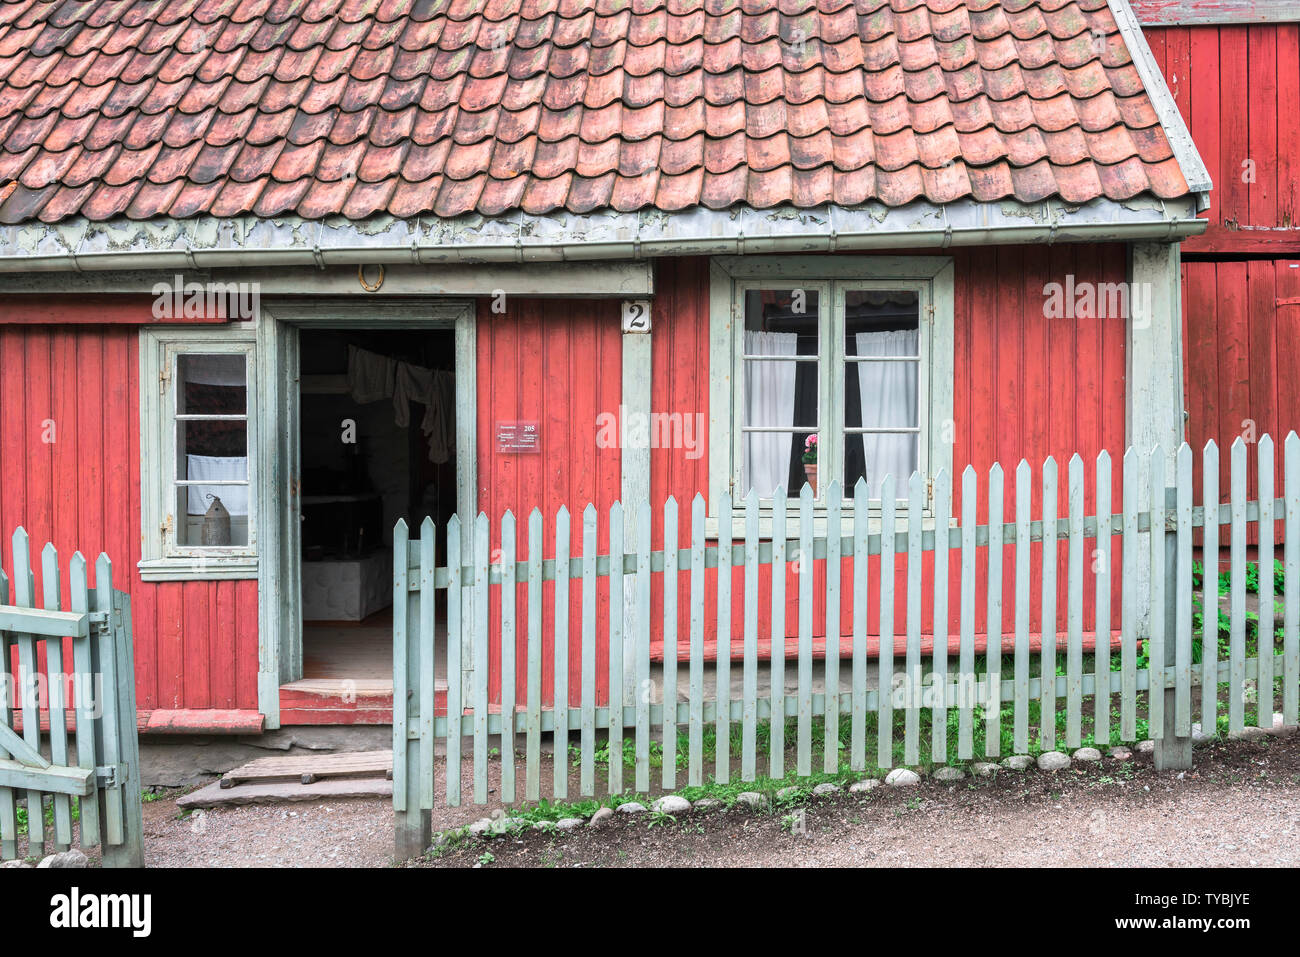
[(444, 107)]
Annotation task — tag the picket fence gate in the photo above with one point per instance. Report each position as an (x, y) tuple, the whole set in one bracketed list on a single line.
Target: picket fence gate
[(101, 770), (1154, 650)]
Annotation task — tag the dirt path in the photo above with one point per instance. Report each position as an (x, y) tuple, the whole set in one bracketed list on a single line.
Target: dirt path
[(1240, 806)]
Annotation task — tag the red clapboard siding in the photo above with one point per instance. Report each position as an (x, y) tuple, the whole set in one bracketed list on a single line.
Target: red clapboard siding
[(1025, 386), (78, 383)]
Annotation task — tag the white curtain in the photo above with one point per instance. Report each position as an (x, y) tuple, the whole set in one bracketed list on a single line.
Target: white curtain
[(889, 398), (223, 370), (217, 468), (769, 401)]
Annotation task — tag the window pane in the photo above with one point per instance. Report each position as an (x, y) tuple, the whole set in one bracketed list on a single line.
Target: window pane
[(876, 455), (215, 516), (211, 385), (779, 313), (208, 451), (768, 461), (214, 439)]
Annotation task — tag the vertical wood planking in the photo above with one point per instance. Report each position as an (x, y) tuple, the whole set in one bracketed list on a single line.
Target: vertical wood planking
[(641, 642), (1074, 612), (722, 667), (1101, 569), (776, 757), (587, 742), (966, 650), (560, 735), (804, 564), (695, 766), (671, 575), (615, 648), (834, 565), (455, 628), (912, 679), (1128, 614), (885, 709), (81, 661), (993, 619), (533, 725), (1210, 588), (1237, 599), (58, 736), (1265, 529), (1155, 493), (1183, 591), (1024, 509), (8, 812), (482, 668), (1047, 653), (942, 521), (749, 704), (509, 635), (1291, 595), (25, 597)]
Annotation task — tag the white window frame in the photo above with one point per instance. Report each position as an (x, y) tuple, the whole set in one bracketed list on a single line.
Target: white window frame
[(931, 277), (162, 559)]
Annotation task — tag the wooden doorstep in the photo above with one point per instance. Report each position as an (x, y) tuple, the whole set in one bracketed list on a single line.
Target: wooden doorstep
[(309, 768)]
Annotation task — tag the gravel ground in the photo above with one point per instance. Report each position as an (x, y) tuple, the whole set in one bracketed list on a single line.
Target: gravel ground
[(1240, 806)]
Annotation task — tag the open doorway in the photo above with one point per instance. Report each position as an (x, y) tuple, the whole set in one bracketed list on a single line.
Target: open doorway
[(377, 443)]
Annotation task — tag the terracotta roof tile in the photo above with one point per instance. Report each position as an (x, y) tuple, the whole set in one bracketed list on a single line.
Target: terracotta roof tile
[(360, 107)]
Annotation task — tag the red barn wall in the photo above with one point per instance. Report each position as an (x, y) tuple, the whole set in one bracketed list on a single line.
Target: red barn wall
[(195, 642)]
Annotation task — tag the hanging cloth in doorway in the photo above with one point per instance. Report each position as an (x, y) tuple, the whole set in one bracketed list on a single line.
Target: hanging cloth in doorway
[(372, 377)]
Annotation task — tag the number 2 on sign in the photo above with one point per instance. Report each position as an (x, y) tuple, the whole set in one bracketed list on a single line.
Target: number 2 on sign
[(636, 315)]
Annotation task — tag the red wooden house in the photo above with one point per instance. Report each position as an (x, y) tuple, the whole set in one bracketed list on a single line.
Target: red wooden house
[(336, 262)]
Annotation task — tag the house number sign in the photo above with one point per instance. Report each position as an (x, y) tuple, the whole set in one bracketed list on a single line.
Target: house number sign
[(636, 315), (518, 436)]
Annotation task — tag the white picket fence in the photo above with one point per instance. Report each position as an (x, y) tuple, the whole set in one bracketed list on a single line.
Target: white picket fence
[(860, 729)]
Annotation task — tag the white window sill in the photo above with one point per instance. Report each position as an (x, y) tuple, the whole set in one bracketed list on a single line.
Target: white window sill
[(222, 568)]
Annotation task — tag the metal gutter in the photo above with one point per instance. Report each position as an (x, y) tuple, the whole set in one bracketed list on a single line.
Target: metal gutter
[(1153, 81), (244, 242)]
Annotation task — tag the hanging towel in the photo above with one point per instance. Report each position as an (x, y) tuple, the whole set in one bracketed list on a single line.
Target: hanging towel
[(371, 377), (436, 392)]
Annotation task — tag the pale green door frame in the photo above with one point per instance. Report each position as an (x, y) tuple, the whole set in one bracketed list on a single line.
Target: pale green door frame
[(279, 591)]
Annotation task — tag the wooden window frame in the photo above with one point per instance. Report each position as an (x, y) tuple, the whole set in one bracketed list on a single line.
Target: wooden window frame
[(162, 559), (931, 277)]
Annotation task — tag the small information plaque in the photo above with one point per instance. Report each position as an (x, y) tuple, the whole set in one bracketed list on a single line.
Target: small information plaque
[(516, 436)]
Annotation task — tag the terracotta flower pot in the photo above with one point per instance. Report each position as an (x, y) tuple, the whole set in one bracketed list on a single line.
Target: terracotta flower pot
[(811, 472)]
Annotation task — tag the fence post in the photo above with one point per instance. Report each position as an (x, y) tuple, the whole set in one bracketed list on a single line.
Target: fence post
[(130, 853), (412, 827), (1172, 753)]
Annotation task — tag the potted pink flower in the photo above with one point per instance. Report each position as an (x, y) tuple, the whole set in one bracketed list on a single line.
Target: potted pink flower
[(810, 461)]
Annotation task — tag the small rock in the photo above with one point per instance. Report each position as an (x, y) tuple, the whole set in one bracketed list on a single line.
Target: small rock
[(1087, 754), (1119, 754), (1053, 761), (543, 825), (949, 774), (1281, 729), (1146, 747), (787, 794), (671, 804), (1018, 762), (984, 769), (867, 784), (1198, 735), (72, 858), (706, 804), (751, 798), (481, 826), (601, 816), (568, 823), (826, 788), (902, 778), (14, 864), (631, 807), (1248, 734)]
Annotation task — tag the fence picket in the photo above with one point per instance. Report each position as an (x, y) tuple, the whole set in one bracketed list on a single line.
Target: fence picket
[(1128, 614), (1183, 593), (993, 619), (1155, 493), (885, 706), (804, 564), (1264, 643), (58, 735), (966, 647), (749, 704), (670, 583), (1237, 591), (1101, 564), (616, 677), (426, 661), (587, 739), (912, 678), (482, 669), (780, 530), (533, 722), (641, 641), (1074, 612), (8, 811), (722, 667), (861, 595), (455, 630), (942, 521), (695, 766), (1210, 588), (560, 734), (1048, 612), (25, 597), (113, 813), (509, 651), (1024, 510), (82, 662), (831, 671), (1291, 595)]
